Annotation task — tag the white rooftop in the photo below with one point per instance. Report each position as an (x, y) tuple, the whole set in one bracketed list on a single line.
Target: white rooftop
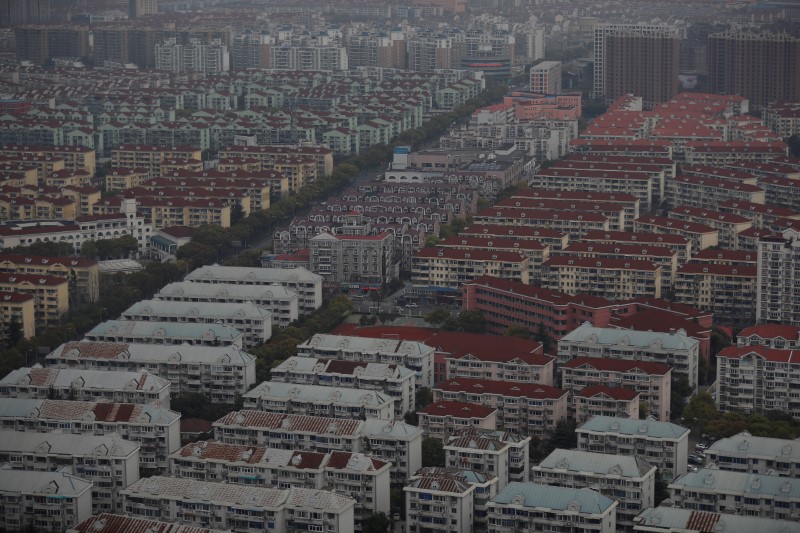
[(713, 479), (45, 483), (66, 444), (164, 330), (744, 443), (596, 463), (317, 393), (153, 353), (252, 275), (60, 378), (124, 413), (345, 343), (159, 308), (226, 292), (588, 334), (314, 365), (627, 426)]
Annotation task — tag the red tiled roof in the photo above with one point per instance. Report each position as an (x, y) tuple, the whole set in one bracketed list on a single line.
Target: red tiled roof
[(576, 195), (458, 410), (672, 223), (457, 241), (720, 270), (771, 331), (510, 231), (21, 259), (636, 236), (33, 279), (727, 255), (113, 523), (539, 214), (770, 354), (617, 393), (601, 262), (541, 293), (659, 321), (16, 297), (500, 388), (195, 425), (472, 255), (640, 250), (618, 365)]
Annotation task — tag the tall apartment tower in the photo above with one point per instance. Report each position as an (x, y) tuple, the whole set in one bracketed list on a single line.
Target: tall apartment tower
[(778, 289), (137, 8), (761, 66), (546, 78), (15, 12), (638, 59)]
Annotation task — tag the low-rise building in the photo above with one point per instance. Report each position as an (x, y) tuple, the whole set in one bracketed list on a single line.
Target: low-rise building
[(43, 501), (673, 349), (627, 479), (744, 452), (394, 381), (653, 381), (535, 507), (238, 507), (17, 316), (107, 461), (729, 291), (671, 519), (600, 400), (86, 385), (316, 400), (254, 322), (220, 372), (439, 501), (662, 444), (154, 429), (141, 332), (115, 523), (717, 491), (440, 420)]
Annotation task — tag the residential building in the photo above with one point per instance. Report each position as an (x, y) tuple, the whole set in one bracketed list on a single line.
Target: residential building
[(156, 430), (43, 501), (136, 331), (627, 479), (388, 440), (502, 454), (778, 336), (116, 523), (545, 78), (307, 284), (86, 385), (757, 379), (762, 215), (486, 487), (744, 452), (439, 501), (393, 381), (653, 381), (662, 444), (612, 279), (252, 321), (730, 292), (316, 400), (83, 274), (681, 245), (728, 225), (283, 303), (50, 295), (449, 269), (210, 58), (717, 491), (151, 158), (440, 420), (119, 179), (600, 400), (673, 349), (413, 355), (710, 192), (74, 157), (17, 316), (535, 251), (669, 519), (363, 261), (237, 507), (532, 507), (107, 461), (222, 373), (498, 360), (573, 223), (777, 299), (700, 235), (529, 409)]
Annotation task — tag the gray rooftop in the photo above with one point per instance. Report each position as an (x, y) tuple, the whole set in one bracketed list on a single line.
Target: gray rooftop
[(35, 482), (784, 450), (318, 394), (596, 463), (687, 520), (628, 426), (153, 353), (226, 292), (60, 378), (66, 444), (557, 498), (346, 343), (24, 408), (223, 310), (253, 276), (722, 481), (586, 333), (164, 330), (314, 365)]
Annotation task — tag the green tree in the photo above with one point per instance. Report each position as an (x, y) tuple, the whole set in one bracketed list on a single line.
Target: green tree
[(14, 332), (681, 389), (423, 398), (719, 340), (517, 330), (472, 321), (397, 501), (437, 316), (432, 452), (377, 523), (700, 410), (644, 410), (564, 435), (89, 250), (544, 337)]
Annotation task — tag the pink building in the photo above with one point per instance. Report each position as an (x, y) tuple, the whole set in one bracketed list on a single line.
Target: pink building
[(528, 106), (440, 420)]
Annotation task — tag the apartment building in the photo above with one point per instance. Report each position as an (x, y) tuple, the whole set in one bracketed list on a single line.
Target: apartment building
[(653, 381), (439, 500), (678, 244), (600, 400), (776, 293), (641, 185), (410, 354), (662, 444), (611, 279), (744, 452), (709, 193), (717, 491), (629, 203), (316, 400), (222, 373), (668, 519), (252, 321), (511, 362), (627, 479), (150, 158), (573, 223), (720, 153), (700, 235), (501, 454), (757, 379), (43, 501), (107, 461), (166, 211), (393, 381), (50, 295), (617, 214), (307, 284), (729, 291), (120, 178), (387, 440), (156, 430), (778, 336), (535, 251), (450, 268), (283, 303), (554, 239), (86, 385), (117, 523), (74, 157), (761, 215), (728, 225), (440, 420), (238, 507), (353, 261), (140, 332), (16, 311), (355, 475), (529, 409), (545, 78), (532, 507), (84, 274), (267, 155), (673, 349)]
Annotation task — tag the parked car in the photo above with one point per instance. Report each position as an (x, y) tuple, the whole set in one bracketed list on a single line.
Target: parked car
[(411, 305), (700, 446)]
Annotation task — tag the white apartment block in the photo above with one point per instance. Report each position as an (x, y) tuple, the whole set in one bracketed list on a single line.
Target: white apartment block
[(86, 385), (116, 523), (716, 491), (613, 279), (307, 284), (220, 372), (675, 349), (535, 507), (662, 444), (42, 501), (107, 461), (485, 488), (316, 400), (411, 354), (672, 519), (210, 58), (155, 430), (501, 454), (778, 279), (700, 235), (390, 441), (627, 479), (394, 381), (237, 507), (756, 379), (173, 333), (283, 303), (254, 322), (353, 474), (439, 502), (353, 260), (744, 452), (535, 367)]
